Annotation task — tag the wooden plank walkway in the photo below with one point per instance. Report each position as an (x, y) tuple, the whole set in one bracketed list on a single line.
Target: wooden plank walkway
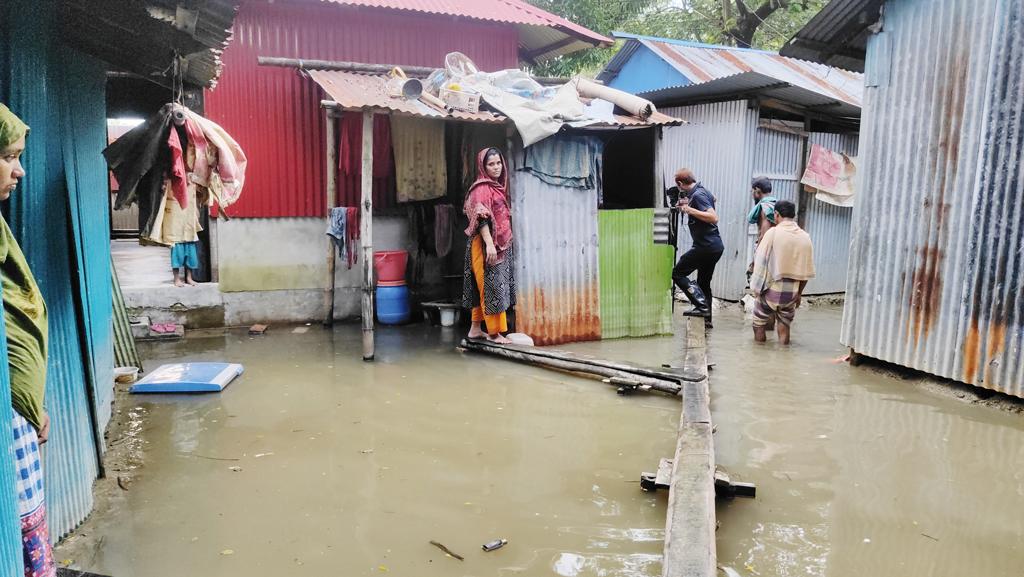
[(690, 524), (690, 520)]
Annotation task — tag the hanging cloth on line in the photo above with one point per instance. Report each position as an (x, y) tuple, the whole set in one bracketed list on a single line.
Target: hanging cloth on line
[(420, 165), (571, 161), (343, 228)]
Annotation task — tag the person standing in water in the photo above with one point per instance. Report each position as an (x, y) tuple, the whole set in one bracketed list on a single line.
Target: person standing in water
[(27, 333), (783, 264), (489, 287)]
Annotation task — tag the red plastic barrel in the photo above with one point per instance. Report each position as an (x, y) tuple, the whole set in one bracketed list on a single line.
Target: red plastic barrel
[(390, 265)]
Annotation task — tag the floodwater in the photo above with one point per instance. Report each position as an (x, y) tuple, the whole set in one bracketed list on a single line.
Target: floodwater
[(340, 467)]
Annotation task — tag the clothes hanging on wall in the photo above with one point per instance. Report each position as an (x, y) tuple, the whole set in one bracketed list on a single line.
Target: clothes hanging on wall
[(336, 222), (420, 166), (571, 161), (352, 233), (350, 158)]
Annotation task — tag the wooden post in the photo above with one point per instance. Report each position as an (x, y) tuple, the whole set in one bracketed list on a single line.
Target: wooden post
[(803, 196), (366, 233), (331, 200)]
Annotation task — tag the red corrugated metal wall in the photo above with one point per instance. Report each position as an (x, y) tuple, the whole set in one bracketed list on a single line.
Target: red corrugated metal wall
[(275, 114)]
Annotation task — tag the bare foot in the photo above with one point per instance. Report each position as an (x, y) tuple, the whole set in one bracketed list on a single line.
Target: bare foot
[(499, 339), (191, 282), (476, 333), (178, 283)]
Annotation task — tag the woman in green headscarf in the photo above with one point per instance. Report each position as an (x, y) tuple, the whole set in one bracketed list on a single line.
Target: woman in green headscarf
[(25, 319)]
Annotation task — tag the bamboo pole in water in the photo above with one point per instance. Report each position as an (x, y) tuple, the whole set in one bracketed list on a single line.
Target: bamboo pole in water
[(332, 195), (366, 234)]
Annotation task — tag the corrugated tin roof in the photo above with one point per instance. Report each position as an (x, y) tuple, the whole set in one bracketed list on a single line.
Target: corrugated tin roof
[(721, 70), (837, 35), (145, 37), (353, 90), (751, 83), (543, 35)]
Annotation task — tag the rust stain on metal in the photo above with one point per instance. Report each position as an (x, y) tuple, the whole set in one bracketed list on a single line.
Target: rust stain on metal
[(996, 342), (698, 73), (972, 351), (926, 290), (565, 318)]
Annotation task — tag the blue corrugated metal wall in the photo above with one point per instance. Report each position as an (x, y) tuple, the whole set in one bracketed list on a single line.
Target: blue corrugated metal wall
[(84, 137), (60, 94), (646, 71), (10, 529)]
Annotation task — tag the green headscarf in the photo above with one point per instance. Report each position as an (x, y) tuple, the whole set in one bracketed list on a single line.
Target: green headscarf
[(11, 127), (24, 309)]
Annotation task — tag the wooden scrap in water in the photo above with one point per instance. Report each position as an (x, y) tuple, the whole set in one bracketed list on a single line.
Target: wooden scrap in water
[(447, 551)]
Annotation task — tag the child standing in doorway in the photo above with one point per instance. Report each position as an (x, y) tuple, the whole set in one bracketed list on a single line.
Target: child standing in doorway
[(184, 256)]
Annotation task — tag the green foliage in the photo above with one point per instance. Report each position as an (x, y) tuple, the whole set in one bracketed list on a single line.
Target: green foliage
[(765, 24)]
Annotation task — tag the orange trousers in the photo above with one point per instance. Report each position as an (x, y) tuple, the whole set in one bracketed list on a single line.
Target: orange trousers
[(495, 323)]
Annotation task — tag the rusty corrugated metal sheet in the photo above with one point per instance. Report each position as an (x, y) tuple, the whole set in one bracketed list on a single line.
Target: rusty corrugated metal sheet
[(704, 63), (718, 144), (556, 273), (829, 226), (353, 90), (937, 260), (542, 34), (275, 114)]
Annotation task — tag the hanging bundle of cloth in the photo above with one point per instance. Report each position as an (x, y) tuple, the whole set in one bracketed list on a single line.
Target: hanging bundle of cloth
[(343, 228), (173, 164), (350, 160)]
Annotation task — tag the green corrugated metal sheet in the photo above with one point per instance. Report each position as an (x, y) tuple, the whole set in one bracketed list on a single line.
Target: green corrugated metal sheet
[(125, 353), (636, 276)]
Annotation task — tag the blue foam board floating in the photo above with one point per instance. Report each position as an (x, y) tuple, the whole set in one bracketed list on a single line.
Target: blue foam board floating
[(189, 378)]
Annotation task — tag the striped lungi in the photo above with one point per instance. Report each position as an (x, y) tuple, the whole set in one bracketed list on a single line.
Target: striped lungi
[(777, 302), (35, 538)]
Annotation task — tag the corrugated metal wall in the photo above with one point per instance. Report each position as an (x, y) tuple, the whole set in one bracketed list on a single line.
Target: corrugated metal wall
[(42, 82), (10, 528), (776, 156), (87, 179), (829, 226), (718, 145), (556, 243), (275, 114), (636, 276), (937, 261)]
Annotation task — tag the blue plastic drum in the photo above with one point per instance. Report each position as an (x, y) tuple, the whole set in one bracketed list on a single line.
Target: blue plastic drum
[(392, 303)]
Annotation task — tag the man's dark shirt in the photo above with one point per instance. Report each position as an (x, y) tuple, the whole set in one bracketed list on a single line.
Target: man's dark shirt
[(705, 235)]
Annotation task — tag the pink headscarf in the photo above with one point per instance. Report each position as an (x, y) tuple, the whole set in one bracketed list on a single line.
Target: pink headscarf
[(488, 200)]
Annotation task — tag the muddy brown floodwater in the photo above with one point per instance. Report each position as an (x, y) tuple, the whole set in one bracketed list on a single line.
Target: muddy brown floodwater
[(339, 467)]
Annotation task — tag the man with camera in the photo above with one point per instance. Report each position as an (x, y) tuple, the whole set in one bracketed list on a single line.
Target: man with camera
[(694, 201)]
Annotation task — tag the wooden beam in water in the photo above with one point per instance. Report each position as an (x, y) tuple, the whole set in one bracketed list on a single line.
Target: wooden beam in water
[(690, 525), (616, 373)]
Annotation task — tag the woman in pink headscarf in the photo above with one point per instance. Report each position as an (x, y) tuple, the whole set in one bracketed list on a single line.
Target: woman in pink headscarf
[(489, 287)]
